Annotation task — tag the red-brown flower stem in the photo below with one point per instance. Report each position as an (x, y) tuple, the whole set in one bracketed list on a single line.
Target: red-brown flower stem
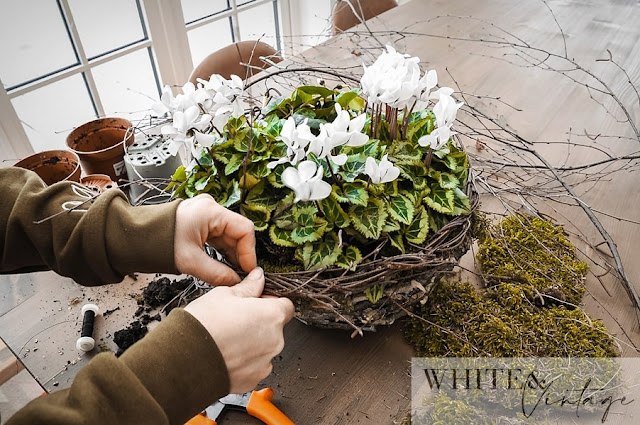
[(333, 176), (427, 159)]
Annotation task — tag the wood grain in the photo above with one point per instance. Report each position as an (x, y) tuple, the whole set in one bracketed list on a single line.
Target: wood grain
[(324, 376)]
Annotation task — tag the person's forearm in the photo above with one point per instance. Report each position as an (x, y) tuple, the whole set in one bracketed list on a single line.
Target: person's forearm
[(92, 241), (164, 379)]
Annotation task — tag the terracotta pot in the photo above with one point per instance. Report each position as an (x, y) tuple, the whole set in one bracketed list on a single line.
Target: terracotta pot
[(53, 166), (100, 145), (98, 183)]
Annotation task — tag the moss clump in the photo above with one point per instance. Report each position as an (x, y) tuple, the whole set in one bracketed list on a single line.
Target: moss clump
[(526, 259), (537, 256)]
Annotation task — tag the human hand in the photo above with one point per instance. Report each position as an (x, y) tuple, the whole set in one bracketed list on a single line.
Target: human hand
[(246, 328), (202, 220)]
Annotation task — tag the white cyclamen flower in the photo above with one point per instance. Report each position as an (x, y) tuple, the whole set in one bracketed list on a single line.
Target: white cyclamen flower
[(445, 112), (382, 172), (346, 131), (306, 181), (296, 138), (394, 79), (322, 146), (184, 124)]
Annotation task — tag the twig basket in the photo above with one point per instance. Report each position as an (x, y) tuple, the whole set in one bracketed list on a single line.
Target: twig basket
[(333, 298)]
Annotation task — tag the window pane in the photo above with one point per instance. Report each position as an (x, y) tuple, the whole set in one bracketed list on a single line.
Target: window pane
[(241, 2), (197, 9), (259, 23), (104, 26), (34, 42), (51, 112), (127, 85), (209, 38)]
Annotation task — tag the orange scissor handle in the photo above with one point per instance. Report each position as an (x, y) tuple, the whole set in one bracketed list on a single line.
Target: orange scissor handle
[(260, 407), (200, 419)]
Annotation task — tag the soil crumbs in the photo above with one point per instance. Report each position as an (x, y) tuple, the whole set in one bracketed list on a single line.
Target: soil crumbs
[(162, 292)]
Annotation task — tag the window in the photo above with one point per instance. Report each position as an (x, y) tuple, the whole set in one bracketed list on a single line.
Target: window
[(66, 62)]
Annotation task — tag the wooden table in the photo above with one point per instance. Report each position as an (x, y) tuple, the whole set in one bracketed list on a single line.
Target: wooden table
[(325, 376)]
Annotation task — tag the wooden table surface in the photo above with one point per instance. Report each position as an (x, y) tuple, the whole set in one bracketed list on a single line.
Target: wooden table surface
[(324, 376)]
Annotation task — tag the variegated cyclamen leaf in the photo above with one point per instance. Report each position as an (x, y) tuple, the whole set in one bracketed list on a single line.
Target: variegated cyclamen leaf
[(448, 181), (461, 202), (333, 212), (233, 195), (281, 237), (397, 240), (353, 167), (260, 217), (235, 162), (309, 233), (401, 209), (352, 193), (440, 199), (350, 258), (263, 194), (304, 213), (369, 220), (319, 254), (417, 231)]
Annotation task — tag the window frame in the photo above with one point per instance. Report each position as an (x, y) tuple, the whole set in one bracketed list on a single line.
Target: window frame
[(165, 39)]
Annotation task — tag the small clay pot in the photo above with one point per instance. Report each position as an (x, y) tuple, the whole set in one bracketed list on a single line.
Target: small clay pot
[(98, 183), (53, 166), (100, 145)]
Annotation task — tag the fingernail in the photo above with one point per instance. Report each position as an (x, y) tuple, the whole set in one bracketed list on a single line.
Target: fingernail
[(256, 273)]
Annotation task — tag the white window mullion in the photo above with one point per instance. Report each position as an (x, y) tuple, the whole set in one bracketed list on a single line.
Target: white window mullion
[(14, 143), (170, 43), (234, 21), (88, 75), (286, 26)]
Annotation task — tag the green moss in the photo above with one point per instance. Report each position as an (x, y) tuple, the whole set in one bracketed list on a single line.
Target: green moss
[(535, 254), (532, 269)]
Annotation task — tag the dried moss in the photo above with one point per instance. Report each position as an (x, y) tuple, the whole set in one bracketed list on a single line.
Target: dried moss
[(529, 308)]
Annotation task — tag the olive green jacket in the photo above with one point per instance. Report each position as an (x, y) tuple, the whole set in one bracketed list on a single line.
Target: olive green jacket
[(166, 378)]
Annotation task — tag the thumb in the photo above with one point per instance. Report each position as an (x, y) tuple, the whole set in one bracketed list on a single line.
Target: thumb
[(252, 285)]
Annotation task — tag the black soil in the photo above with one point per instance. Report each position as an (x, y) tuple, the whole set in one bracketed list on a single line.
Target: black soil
[(162, 292)]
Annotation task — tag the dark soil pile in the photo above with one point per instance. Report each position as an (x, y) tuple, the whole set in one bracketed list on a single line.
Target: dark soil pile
[(162, 292)]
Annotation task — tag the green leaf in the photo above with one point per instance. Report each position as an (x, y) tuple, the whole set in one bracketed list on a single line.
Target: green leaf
[(374, 293), (412, 169), (304, 213), (441, 200), (202, 183), (419, 128), (461, 202), (242, 138), (333, 212), (401, 209), (310, 233), (235, 162), (258, 169), (353, 167), (369, 220), (321, 253), (275, 178), (437, 221), (233, 195), (259, 216), (397, 240), (350, 259), (390, 226), (368, 149), (263, 194), (281, 237), (417, 231), (352, 193), (448, 181), (345, 98)]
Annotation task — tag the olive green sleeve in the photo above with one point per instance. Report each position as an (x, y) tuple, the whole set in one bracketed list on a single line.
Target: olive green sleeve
[(93, 241), (168, 377)]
